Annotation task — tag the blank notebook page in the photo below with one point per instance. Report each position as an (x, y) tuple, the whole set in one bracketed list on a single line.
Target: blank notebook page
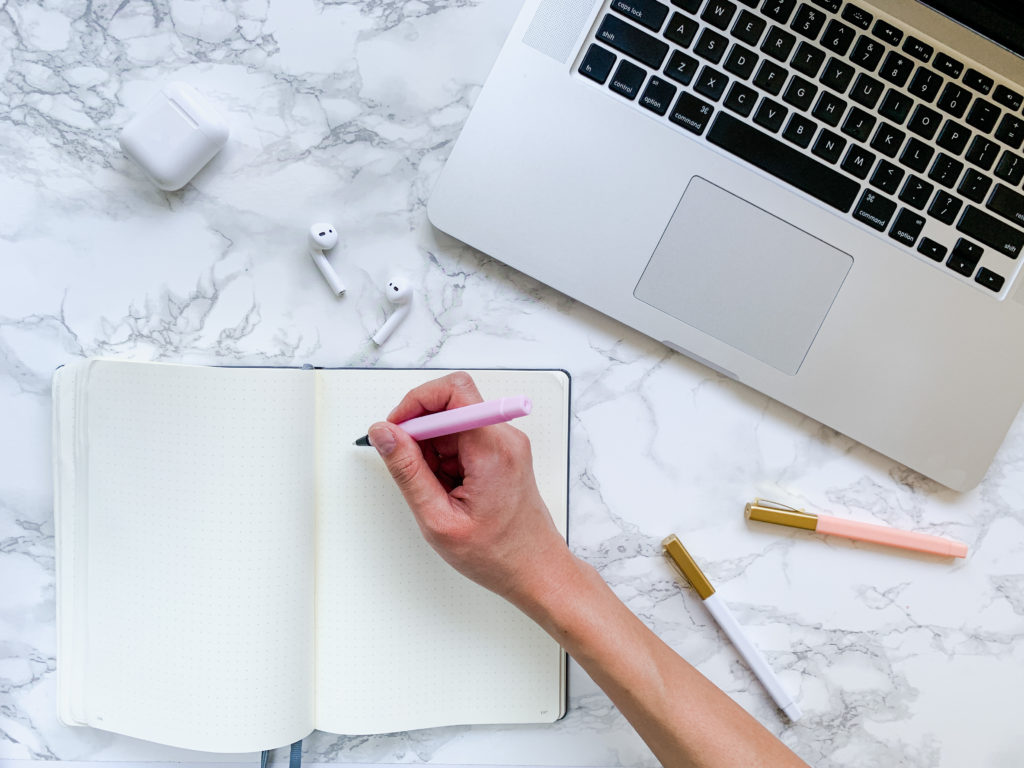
[(200, 551), (403, 641)]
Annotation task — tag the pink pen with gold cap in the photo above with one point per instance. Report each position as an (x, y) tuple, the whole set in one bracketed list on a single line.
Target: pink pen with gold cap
[(771, 512)]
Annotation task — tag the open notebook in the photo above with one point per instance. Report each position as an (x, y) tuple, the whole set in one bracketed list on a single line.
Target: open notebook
[(233, 572)]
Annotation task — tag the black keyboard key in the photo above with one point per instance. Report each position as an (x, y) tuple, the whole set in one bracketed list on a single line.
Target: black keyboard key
[(649, 13), (711, 46), (906, 228), (1007, 203), (953, 137), (895, 106), (741, 61), (829, 108), (838, 37), (954, 99), (931, 249), (993, 232), (829, 146), (658, 95), (778, 159), (681, 30), (947, 65), (748, 28), (983, 115), (858, 161), (858, 124), (945, 170), (886, 32), (989, 279), (919, 49), (874, 210), (945, 207), (982, 152), (1009, 99), (691, 113), (799, 131), (808, 21), (924, 122), (896, 69), (740, 99), (837, 75), (916, 155), (627, 79), (974, 186), (975, 80), (916, 192), (829, 5), (631, 41), (1010, 168), (867, 53), (598, 63), (1010, 131), (681, 67), (770, 77), (888, 139), (751, 3), (690, 6), (800, 93), (866, 91), (887, 177), (770, 115), (718, 13), (925, 85), (857, 16), (778, 43), (807, 59), (965, 257), (711, 83), (778, 10)]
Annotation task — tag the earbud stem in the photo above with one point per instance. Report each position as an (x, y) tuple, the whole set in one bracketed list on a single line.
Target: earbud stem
[(328, 272)]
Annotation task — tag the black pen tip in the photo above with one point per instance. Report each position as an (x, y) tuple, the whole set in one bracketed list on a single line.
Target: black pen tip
[(364, 440)]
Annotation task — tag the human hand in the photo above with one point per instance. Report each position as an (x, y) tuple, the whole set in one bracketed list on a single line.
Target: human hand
[(474, 494)]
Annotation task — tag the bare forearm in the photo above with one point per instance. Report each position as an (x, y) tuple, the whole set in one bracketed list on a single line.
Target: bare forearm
[(684, 718)]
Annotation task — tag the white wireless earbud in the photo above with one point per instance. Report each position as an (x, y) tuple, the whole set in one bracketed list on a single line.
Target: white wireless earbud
[(323, 237), (399, 293)]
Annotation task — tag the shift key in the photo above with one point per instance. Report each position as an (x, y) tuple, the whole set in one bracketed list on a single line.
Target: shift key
[(1007, 203), (632, 41), (993, 232)]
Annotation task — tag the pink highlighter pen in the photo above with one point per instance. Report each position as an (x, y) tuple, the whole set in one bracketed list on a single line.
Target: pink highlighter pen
[(463, 419), (770, 512)]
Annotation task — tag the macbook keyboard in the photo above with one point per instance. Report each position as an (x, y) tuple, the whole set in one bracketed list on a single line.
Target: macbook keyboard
[(861, 113)]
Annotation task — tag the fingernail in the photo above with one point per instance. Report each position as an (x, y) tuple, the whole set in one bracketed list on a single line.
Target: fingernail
[(382, 439)]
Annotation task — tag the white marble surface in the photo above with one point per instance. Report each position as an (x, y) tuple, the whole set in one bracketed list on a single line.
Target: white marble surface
[(346, 111)]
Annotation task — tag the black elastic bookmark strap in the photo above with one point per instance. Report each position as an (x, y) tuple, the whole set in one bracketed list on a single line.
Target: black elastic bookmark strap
[(294, 757)]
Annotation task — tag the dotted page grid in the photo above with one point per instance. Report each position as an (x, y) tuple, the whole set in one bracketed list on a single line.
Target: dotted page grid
[(200, 549), (403, 641)]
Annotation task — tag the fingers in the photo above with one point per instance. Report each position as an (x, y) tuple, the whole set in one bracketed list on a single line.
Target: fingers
[(452, 391), (423, 492)]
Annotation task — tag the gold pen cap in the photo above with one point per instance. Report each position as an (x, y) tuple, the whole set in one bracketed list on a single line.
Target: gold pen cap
[(687, 566), (766, 511)]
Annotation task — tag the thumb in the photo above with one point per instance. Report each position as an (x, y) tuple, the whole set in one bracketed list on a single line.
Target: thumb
[(405, 462)]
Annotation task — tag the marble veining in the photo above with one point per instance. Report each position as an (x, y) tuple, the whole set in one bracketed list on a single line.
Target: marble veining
[(345, 111)]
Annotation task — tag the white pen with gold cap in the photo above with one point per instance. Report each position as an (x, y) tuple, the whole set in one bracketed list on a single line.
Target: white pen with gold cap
[(721, 613)]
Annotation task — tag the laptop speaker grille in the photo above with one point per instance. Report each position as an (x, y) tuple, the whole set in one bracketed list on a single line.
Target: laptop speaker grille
[(556, 26)]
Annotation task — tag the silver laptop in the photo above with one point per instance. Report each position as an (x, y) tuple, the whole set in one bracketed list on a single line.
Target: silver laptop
[(820, 199)]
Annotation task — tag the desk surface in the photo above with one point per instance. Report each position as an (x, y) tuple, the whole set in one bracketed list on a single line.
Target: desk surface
[(347, 113)]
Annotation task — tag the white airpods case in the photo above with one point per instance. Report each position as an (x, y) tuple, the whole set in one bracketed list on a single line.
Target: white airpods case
[(176, 134)]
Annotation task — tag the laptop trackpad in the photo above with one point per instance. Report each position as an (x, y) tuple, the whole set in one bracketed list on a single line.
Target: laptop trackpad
[(742, 275)]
